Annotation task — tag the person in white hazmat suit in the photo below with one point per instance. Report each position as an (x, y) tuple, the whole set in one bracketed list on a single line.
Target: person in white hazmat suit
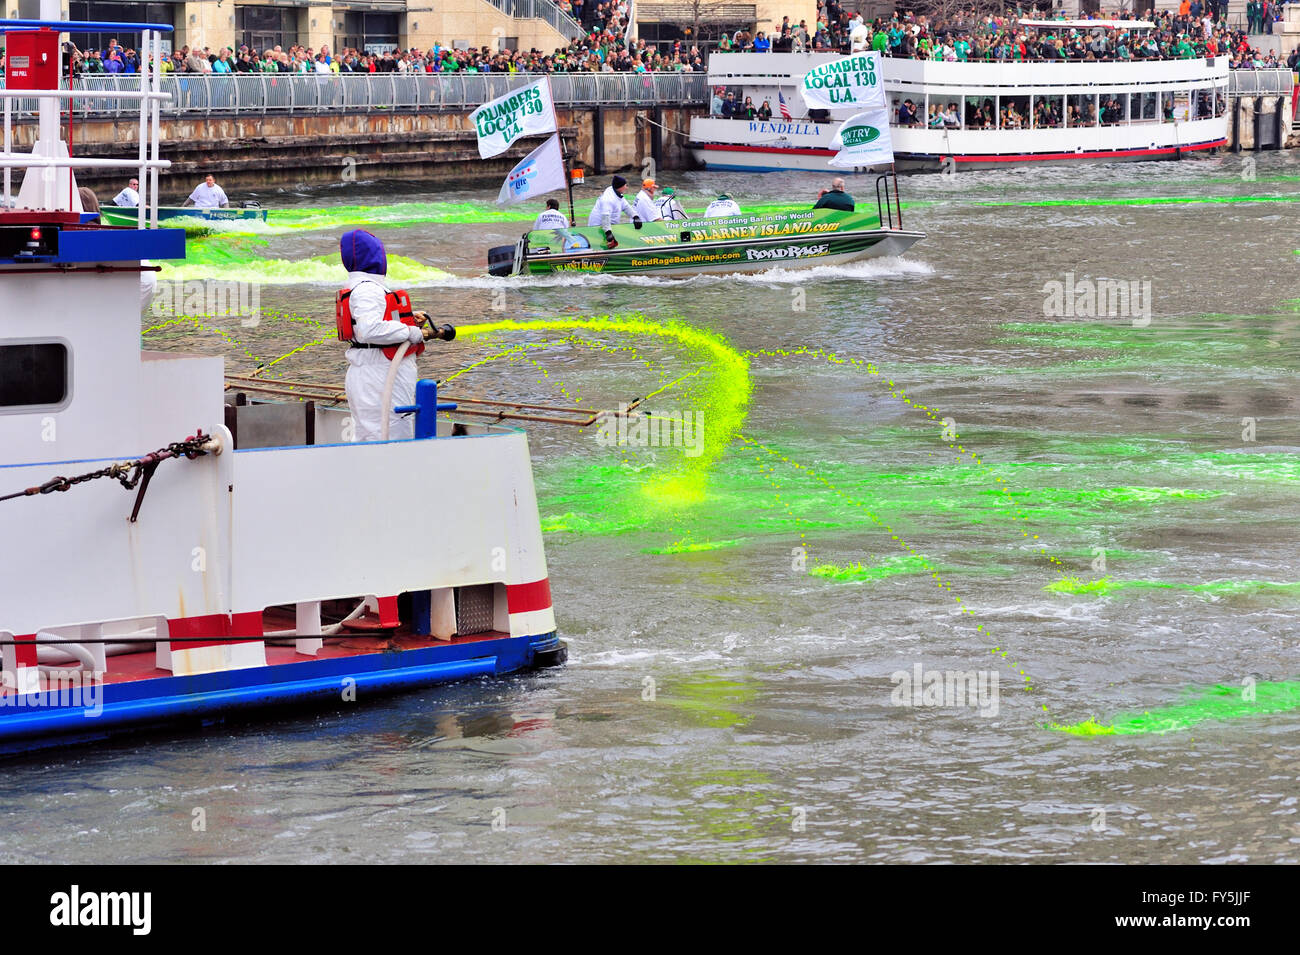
[(608, 210), (375, 321)]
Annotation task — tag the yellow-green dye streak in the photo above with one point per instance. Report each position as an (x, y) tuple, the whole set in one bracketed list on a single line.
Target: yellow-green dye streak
[(1215, 588), (1216, 704), (720, 395)]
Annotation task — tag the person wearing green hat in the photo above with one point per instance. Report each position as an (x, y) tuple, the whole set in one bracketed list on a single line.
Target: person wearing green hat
[(722, 206), (669, 207)]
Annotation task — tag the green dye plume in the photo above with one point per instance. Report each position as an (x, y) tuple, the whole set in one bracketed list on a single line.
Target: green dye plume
[(1218, 703)]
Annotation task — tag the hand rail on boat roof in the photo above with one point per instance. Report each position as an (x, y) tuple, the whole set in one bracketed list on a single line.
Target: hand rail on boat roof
[(81, 26), (149, 96)]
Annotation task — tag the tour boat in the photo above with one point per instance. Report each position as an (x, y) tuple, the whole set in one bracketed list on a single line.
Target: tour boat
[(257, 558), (1150, 109), (744, 243), (183, 216)]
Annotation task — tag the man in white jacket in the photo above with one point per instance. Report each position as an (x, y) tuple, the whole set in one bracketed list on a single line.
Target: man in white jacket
[(609, 208), (375, 330), (645, 202)]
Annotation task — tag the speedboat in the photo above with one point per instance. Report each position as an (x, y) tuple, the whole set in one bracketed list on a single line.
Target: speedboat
[(745, 243), (183, 216)]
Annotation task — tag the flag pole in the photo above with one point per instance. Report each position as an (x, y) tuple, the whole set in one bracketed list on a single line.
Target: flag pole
[(564, 154)]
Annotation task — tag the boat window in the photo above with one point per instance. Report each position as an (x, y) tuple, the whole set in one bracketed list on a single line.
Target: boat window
[(980, 113), (903, 110), (1204, 104), (1112, 108), (1081, 110), (1148, 111), (1220, 101), (1048, 111), (33, 374), (1013, 112)]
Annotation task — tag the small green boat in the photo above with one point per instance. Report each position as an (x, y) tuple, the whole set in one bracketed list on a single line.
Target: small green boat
[(182, 217), (744, 243)]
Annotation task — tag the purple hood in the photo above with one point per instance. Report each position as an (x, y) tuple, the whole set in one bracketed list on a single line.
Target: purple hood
[(362, 252)]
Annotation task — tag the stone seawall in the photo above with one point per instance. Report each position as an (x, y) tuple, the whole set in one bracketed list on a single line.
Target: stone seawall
[(258, 152)]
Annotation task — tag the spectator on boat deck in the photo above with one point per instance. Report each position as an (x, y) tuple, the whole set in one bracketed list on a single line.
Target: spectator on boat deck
[(729, 106), (936, 118), (130, 196), (835, 197), (748, 111), (907, 114), (715, 106), (552, 218), (366, 300), (208, 195), (645, 202), (951, 118), (722, 206), (765, 111)]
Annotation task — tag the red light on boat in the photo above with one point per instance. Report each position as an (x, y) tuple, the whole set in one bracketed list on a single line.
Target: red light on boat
[(36, 234)]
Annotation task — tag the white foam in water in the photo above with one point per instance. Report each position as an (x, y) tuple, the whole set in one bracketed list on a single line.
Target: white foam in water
[(868, 270)]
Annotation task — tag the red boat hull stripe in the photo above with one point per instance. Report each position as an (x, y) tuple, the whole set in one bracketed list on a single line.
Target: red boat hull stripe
[(523, 598)]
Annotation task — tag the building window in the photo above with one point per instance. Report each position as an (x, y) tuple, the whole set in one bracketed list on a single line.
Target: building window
[(33, 375), (368, 32), (93, 10), (265, 28)]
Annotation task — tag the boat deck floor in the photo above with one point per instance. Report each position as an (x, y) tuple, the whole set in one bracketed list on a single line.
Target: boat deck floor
[(142, 665)]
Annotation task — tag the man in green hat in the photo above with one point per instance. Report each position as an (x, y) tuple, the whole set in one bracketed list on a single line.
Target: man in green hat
[(669, 207)]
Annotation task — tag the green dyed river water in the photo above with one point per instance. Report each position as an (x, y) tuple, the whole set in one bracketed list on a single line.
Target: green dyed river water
[(933, 462)]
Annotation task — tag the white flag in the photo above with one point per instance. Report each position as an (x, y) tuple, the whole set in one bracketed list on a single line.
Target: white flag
[(863, 140), (850, 81), (527, 111), (542, 170)]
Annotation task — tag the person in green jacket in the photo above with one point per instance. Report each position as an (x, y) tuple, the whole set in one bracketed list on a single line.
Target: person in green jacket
[(835, 197)]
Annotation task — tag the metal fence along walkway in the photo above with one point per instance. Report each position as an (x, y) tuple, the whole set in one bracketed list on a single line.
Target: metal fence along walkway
[(265, 93)]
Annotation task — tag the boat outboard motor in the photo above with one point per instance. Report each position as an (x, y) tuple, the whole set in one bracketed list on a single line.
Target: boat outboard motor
[(501, 260), (252, 204)]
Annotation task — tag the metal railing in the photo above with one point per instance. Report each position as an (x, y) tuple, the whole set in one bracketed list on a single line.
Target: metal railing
[(281, 93), (541, 10), (1254, 82)]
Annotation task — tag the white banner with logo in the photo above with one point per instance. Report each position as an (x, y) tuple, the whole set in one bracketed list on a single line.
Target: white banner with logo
[(527, 111), (850, 82), (863, 140), (542, 170)]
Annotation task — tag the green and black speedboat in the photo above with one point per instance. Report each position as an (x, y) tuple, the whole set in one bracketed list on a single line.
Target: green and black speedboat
[(745, 243)]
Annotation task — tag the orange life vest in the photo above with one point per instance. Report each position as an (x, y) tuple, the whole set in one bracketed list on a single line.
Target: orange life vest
[(397, 308)]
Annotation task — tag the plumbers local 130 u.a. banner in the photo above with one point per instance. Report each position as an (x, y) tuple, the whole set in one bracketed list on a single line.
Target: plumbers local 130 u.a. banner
[(527, 111), (849, 82)]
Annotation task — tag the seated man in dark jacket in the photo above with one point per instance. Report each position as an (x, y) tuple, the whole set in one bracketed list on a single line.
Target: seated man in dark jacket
[(835, 198)]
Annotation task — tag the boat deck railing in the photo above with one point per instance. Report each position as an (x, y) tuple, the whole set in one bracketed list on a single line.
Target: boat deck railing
[(143, 92), (260, 94)]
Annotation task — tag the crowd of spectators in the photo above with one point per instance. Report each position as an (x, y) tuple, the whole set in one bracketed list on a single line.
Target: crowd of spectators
[(1197, 28)]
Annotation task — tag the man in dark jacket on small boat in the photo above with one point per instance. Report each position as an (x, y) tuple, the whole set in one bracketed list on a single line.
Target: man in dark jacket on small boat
[(835, 198)]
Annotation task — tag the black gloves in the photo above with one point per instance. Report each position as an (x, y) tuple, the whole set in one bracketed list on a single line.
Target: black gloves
[(636, 221)]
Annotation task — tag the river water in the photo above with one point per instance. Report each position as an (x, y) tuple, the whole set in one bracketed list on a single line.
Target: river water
[(923, 462)]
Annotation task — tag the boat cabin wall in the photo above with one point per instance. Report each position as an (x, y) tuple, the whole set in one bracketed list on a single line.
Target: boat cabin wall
[(74, 383)]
